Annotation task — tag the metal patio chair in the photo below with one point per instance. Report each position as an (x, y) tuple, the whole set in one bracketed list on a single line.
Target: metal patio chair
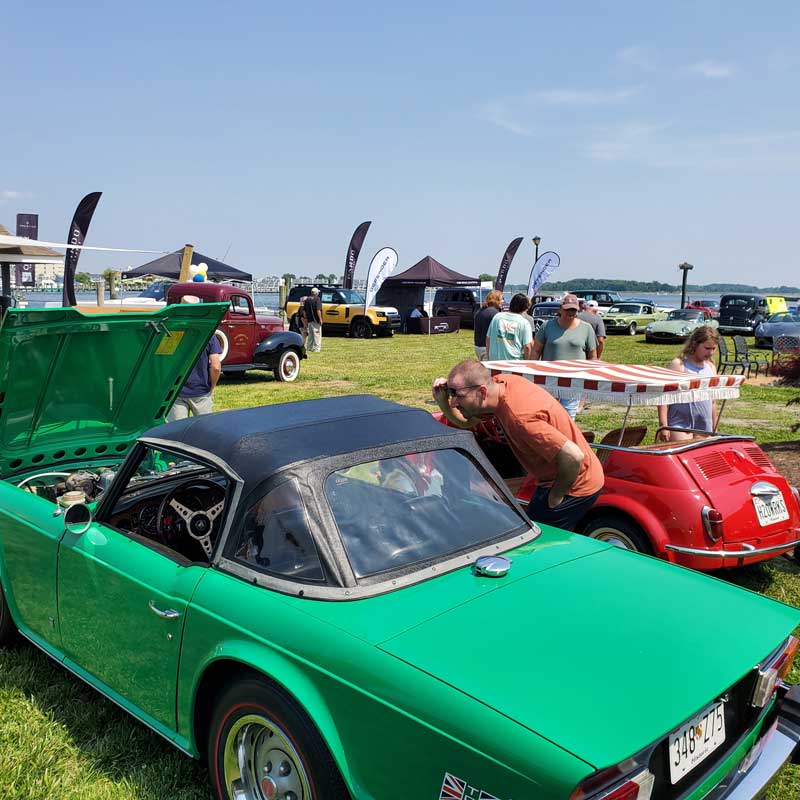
[(725, 361), (753, 359)]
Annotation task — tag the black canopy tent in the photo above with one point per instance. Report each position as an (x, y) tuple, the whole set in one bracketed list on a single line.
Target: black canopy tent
[(169, 266), (407, 289)]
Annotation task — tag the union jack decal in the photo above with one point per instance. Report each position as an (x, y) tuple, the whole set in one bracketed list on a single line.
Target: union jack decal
[(454, 788)]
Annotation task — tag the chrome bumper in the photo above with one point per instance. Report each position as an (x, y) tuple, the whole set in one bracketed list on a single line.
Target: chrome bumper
[(747, 551), (767, 757)]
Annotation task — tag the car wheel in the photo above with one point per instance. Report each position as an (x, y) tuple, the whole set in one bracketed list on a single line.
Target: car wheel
[(632, 329), (361, 329), (8, 630), (288, 366), (620, 531), (261, 745)]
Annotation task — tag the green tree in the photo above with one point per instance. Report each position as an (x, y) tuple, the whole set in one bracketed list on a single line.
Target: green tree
[(321, 278), (288, 278), (83, 279), (332, 278), (111, 277), (485, 276)]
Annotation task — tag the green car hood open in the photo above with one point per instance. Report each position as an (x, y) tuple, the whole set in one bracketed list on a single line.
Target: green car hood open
[(601, 653), (75, 386)]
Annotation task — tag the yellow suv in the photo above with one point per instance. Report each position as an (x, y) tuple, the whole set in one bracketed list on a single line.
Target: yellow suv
[(343, 312)]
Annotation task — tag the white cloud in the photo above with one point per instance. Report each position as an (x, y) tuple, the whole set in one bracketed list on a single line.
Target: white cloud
[(713, 69), (638, 56), (630, 140), (580, 98), (500, 115), (10, 194)]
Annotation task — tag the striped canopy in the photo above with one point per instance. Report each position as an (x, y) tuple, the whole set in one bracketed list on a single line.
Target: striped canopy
[(625, 384)]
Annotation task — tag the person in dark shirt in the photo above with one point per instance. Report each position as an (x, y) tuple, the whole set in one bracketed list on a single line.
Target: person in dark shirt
[(197, 395), (482, 320), (313, 311)]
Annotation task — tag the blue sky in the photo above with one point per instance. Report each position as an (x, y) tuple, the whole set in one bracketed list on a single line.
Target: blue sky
[(629, 137)]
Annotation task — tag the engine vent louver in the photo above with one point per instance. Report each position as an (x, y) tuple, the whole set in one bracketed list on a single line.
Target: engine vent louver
[(759, 457), (712, 465)]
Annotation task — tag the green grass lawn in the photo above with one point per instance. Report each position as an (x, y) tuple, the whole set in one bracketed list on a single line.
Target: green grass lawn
[(61, 740)]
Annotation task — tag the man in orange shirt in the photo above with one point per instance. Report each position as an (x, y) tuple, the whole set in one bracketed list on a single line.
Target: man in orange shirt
[(540, 432)]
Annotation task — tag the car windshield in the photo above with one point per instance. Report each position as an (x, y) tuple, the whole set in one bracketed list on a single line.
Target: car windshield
[(625, 308), (709, 303), (351, 296), (423, 506), (737, 302), (682, 313), (784, 316)]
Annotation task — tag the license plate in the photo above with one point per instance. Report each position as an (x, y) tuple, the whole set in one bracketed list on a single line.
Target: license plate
[(770, 511), (696, 740)]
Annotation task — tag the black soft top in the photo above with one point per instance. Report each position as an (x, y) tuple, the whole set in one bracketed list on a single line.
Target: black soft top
[(257, 442)]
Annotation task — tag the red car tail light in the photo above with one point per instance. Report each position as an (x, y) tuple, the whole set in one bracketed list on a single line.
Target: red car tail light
[(775, 668), (712, 523), (635, 787)]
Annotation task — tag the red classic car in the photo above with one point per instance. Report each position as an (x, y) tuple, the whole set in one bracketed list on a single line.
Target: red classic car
[(710, 306), (710, 502)]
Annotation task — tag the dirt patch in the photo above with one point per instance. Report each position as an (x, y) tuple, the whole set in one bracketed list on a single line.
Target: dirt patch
[(786, 458)]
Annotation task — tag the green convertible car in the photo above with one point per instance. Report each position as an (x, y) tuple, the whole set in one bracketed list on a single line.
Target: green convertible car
[(340, 598), (630, 318)]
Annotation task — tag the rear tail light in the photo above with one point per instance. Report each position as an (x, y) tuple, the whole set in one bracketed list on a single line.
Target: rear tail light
[(796, 493), (712, 523), (596, 787), (775, 668)]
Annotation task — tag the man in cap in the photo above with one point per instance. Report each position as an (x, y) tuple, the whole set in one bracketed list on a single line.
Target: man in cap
[(590, 313), (197, 395), (541, 434), (566, 338), (313, 313)]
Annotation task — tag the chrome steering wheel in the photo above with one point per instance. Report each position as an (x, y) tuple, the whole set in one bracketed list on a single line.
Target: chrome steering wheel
[(184, 502)]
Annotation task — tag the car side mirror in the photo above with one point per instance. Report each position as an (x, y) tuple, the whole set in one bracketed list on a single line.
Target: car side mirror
[(77, 518)]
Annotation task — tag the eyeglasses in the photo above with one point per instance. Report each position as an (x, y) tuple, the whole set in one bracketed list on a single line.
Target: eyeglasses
[(451, 392)]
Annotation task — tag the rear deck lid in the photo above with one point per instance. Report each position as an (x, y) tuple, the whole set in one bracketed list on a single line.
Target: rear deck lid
[(602, 655), (740, 482), (79, 386)]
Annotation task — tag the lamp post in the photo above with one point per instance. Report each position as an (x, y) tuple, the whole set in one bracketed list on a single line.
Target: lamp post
[(536, 240), (685, 269)]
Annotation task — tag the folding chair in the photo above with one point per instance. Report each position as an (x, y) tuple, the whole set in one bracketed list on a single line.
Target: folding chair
[(748, 357), (724, 361)]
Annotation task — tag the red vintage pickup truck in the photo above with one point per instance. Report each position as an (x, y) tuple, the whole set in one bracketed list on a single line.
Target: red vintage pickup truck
[(249, 340)]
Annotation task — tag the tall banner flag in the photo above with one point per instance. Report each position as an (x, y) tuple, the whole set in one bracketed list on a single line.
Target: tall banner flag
[(357, 240), (76, 235), (508, 257), (545, 266), (380, 268), (27, 226)]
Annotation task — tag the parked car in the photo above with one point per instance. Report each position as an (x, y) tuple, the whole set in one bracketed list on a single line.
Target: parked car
[(711, 502), (782, 324), (542, 312), (339, 599), (605, 298), (741, 313), (248, 340), (678, 325), (709, 306), (343, 312), (630, 318), (458, 302)]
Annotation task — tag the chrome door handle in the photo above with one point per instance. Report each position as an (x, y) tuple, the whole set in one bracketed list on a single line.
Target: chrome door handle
[(170, 613)]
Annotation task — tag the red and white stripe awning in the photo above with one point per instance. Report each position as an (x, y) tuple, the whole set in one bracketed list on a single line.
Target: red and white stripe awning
[(625, 384)]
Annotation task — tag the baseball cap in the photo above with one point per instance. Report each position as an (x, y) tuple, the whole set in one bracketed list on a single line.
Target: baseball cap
[(592, 304), (569, 301)]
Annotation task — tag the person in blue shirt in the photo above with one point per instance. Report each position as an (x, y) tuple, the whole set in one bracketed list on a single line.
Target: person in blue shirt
[(197, 395)]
